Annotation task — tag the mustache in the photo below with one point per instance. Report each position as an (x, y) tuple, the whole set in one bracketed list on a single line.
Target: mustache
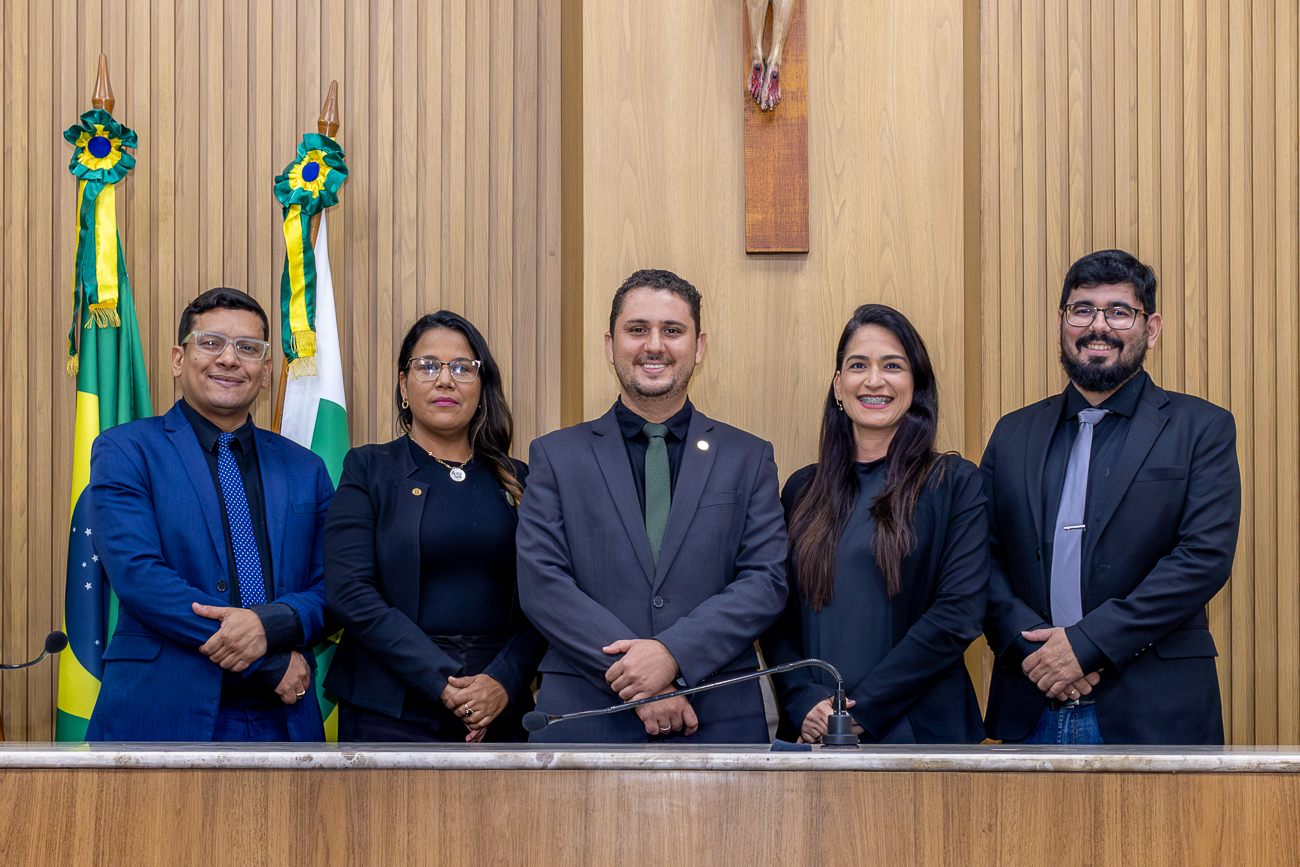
[(1108, 339)]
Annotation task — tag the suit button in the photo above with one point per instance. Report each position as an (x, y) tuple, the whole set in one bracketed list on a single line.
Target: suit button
[(659, 602), (221, 586)]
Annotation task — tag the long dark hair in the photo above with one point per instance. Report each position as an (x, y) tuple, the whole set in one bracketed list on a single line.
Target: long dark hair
[(492, 428), (827, 501)]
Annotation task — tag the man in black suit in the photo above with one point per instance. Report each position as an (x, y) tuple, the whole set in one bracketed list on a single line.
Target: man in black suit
[(651, 543), (1114, 509)]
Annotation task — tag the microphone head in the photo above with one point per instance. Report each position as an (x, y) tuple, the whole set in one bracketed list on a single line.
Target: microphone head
[(535, 721), (55, 641)]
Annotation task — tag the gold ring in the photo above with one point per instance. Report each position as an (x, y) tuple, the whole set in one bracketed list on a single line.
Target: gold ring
[(301, 694), (469, 712)]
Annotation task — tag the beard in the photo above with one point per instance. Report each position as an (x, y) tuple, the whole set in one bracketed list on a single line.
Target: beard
[(1097, 375), (666, 389)]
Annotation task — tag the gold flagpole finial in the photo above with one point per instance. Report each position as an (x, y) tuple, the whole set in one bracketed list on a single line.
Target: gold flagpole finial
[(328, 124), (102, 97)]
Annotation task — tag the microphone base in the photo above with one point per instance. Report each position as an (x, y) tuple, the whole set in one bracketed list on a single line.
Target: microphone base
[(839, 733)]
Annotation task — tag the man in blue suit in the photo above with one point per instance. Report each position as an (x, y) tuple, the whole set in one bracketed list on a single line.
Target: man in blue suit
[(209, 529), (651, 543)]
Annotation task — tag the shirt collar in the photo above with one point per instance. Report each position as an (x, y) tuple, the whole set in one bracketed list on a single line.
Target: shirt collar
[(207, 432), (630, 423), (1123, 402)]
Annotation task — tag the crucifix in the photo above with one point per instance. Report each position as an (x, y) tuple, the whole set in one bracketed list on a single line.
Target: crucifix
[(776, 127)]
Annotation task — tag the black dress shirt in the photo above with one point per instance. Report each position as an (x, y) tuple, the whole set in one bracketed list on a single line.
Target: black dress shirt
[(281, 622), (637, 443), (1108, 437)]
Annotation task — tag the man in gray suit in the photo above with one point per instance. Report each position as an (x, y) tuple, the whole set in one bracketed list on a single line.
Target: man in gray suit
[(651, 543)]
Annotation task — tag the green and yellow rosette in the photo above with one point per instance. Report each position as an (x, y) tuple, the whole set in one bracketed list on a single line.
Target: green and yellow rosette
[(98, 163), (309, 185)]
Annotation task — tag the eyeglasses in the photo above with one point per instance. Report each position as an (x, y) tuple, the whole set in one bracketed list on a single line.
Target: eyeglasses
[(1120, 316), (212, 343), (428, 369)]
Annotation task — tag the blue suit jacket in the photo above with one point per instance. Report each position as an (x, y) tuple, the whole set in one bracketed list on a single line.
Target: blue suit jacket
[(159, 533), (587, 577)]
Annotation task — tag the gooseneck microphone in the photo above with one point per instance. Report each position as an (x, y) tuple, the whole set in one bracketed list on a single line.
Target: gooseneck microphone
[(839, 725), (54, 642)]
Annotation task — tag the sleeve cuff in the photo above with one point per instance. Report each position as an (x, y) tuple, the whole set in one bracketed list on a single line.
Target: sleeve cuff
[(1018, 649), (282, 624), (1085, 650)]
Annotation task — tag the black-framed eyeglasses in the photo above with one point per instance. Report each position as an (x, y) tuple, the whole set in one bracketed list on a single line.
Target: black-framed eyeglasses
[(214, 343), (1118, 316), (428, 369)]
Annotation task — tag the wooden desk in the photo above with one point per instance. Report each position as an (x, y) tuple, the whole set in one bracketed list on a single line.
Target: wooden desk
[(483, 805)]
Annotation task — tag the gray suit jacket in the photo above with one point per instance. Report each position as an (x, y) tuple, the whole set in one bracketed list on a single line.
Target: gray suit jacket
[(587, 579)]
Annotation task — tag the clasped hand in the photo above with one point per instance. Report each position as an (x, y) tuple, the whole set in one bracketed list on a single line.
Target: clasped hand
[(1054, 668), (239, 642), (483, 695), (647, 668)]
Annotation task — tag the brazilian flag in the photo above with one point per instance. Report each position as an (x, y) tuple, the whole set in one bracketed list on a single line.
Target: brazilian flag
[(112, 388)]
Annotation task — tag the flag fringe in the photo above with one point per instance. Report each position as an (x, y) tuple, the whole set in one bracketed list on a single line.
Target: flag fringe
[(304, 366), (105, 315), (74, 365)]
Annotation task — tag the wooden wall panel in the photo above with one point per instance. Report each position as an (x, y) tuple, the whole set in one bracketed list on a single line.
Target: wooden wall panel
[(1181, 147), (662, 183), (450, 118)]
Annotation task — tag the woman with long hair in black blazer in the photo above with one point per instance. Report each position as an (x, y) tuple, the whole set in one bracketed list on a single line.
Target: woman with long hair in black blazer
[(888, 555), (420, 557)]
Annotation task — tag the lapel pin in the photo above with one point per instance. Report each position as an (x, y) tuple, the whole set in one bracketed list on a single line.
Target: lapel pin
[(415, 491), (702, 445)]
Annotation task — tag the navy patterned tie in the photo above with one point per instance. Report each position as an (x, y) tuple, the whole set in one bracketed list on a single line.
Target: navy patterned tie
[(248, 563)]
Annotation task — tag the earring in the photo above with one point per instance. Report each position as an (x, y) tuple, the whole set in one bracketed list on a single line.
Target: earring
[(839, 404), (405, 403)]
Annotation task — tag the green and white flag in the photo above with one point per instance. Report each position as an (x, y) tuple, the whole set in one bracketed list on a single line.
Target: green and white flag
[(315, 411)]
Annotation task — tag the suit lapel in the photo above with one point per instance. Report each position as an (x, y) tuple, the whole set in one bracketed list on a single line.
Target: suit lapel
[(276, 493), (408, 514), (196, 466), (1040, 437), (1148, 420), (691, 478), (611, 456)]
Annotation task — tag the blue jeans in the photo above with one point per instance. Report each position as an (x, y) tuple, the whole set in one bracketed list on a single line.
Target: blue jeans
[(1070, 725), (237, 723)]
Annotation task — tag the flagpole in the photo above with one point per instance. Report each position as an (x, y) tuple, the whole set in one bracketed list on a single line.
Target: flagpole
[(326, 124)]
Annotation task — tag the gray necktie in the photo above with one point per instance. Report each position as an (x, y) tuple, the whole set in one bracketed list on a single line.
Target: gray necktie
[(1067, 541)]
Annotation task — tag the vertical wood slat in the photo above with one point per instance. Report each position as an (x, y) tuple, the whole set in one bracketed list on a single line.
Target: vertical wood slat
[(1287, 210), (1264, 385), (40, 408), (220, 93), (1203, 128), (17, 367)]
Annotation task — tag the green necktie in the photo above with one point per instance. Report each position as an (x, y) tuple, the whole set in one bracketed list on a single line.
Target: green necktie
[(658, 487)]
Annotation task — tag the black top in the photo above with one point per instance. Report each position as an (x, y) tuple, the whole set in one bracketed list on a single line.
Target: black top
[(637, 443), (1108, 437), (902, 658), (413, 562), (462, 595), (283, 628)]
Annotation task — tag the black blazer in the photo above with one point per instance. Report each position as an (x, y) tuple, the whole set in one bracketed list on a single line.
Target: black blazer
[(1160, 542), (936, 615), (372, 585)]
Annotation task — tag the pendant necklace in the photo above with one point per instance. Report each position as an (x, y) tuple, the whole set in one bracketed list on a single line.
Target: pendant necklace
[(457, 473)]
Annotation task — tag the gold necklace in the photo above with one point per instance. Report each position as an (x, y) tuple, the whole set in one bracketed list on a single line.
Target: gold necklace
[(457, 473)]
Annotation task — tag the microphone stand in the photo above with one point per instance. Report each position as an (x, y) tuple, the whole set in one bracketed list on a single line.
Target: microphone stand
[(839, 725), (54, 642)]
